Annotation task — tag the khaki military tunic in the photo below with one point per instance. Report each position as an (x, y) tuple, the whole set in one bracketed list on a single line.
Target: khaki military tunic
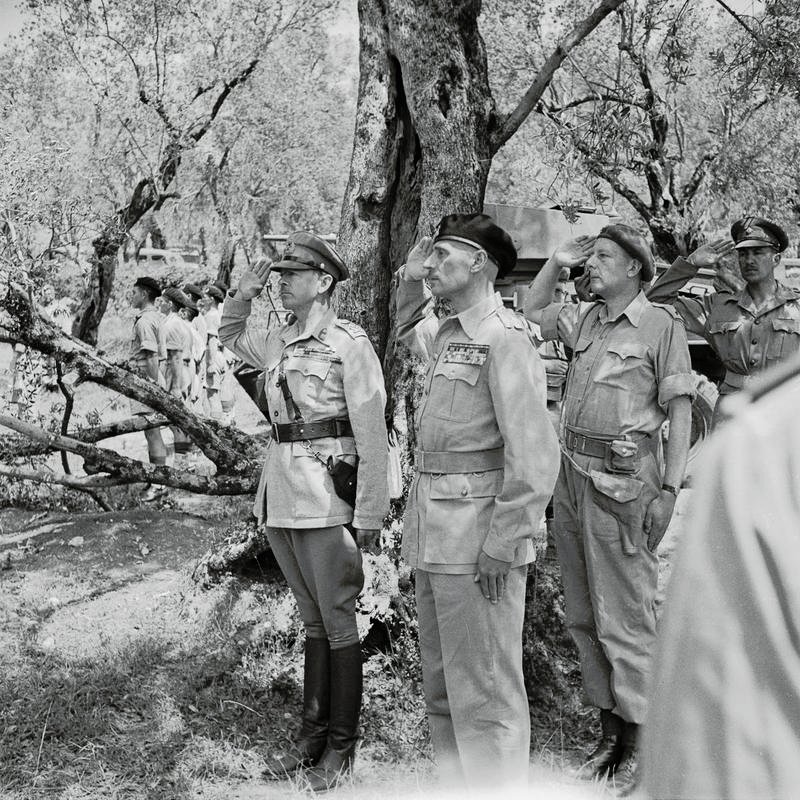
[(746, 339), (485, 389), (724, 720), (332, 372), (484, 393)]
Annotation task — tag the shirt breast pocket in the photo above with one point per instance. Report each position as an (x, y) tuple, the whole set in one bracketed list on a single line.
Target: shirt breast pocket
[(784, 340), (620, 364), (453, 389), (724, 334)]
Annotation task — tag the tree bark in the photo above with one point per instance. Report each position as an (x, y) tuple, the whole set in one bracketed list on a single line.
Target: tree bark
[(421, 145)]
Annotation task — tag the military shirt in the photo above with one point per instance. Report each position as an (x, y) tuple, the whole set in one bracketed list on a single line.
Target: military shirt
[(485, 388), (332, 372), (746, 339), (624, 370), (147, 337)]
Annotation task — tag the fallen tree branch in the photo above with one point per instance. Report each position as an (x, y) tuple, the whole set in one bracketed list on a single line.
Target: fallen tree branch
[(98, 459)]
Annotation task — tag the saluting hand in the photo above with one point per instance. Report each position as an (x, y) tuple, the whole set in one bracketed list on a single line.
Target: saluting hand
[(415, 269), (574, 252), (252, 281), (492, 576), (708, 255)]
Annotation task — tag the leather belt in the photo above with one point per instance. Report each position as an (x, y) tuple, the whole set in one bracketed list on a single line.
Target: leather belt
[(322, 429), (596, 445), (446, 463), (737, 380)]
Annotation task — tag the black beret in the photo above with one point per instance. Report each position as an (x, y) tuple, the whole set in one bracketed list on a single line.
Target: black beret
[(634, 244), (758, 232), (214, 291), (193, 291), (179, 298), (148, 283), (308, 251), (480, 231)]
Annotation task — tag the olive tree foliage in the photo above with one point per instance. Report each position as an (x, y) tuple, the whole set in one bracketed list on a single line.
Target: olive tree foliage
[(659, 117), (102, 106)]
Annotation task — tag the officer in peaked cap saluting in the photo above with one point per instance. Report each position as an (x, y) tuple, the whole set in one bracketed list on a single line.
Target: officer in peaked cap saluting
[(485, 468), (326, 397), (750, 330)]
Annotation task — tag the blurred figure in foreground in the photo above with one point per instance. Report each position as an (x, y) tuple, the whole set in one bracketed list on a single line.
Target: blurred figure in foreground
[(724, 720)]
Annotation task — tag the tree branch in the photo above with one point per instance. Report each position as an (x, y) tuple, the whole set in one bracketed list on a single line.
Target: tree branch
[(80, 482), (97, 460), (511, 124), (698, 175)]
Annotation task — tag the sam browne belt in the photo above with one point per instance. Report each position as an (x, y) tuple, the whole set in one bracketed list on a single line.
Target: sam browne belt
[(321, 429)]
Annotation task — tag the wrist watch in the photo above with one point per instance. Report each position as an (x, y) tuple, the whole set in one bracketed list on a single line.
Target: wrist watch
[(665, 487)]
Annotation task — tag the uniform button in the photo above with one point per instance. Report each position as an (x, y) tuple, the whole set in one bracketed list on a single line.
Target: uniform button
[(753, 361), (463, 492), (275, 414), (755, 341), (323, 333), (756, 322)]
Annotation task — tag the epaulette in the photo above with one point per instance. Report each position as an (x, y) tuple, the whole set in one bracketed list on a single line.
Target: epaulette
[(669, 309), (512, 319), (351, 328)]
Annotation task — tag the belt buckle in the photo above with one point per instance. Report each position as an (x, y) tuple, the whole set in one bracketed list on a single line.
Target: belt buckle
[(275, 433), (581, 443)]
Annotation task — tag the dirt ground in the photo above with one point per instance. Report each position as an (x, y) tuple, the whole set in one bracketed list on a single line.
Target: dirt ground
[(82, 597)]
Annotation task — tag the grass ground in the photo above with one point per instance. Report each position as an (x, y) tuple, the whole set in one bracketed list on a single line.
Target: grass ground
[(120, 678)]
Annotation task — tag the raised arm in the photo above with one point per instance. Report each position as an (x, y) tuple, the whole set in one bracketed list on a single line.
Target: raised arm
[(540, 293), (693, 310), (415, 322), (233, 333)]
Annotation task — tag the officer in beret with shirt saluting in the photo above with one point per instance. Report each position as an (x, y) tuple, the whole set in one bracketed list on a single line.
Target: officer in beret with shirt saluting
[(485, 468), (612, 503), (750, 330), (326, 397)]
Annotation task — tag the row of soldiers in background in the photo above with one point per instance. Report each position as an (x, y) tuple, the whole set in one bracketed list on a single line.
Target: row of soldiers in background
[(176, 344), (487, 460)]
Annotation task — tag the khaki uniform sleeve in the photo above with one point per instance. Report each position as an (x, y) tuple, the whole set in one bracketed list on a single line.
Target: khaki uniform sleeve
[(692, 310), (518, 387), (415, 323), (560, 322), (250, 346), (673, 365), (366, 401)]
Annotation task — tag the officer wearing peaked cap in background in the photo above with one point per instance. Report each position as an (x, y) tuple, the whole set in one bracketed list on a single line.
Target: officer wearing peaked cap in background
[(630, 371), (326, 397), (750, 330), (485, 468)]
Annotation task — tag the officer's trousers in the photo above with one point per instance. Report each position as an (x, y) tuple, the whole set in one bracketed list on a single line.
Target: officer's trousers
[(609, 596), (472, 678), (323, 569)]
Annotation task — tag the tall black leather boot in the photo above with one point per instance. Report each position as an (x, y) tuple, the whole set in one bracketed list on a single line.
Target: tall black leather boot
[(603, 761), (627, 772), (310, 744), (346, 684)]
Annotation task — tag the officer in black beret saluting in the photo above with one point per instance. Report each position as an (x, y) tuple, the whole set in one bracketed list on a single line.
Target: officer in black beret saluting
[(326, 397), (750, 330), (612, 503), (485, 468)]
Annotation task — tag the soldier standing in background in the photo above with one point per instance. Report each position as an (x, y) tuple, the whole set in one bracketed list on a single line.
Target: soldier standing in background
[(326, 397), (216, 362), (144, 360), (630, 371), (178, 343), (749, 330), (485, 467)]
